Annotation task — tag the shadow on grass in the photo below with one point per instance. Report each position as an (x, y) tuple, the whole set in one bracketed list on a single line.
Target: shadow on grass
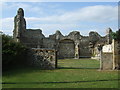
[(59, 82), (22, 70), (77, 68)]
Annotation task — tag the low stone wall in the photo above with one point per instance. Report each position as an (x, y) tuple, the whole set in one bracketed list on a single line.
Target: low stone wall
[(107, 61), (43, 58), (110, 56)]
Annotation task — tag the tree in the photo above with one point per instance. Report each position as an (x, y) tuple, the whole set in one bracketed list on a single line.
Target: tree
[(116, 35), (13, 53)]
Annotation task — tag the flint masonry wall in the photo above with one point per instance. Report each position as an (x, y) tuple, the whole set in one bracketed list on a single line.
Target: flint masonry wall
[(43, 58), (84, 47), (110, 57), (107, 61), (66, 49), (34, 38), (48, 43)]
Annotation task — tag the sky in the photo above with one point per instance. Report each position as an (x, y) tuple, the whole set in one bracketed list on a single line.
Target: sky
[(64, 16)]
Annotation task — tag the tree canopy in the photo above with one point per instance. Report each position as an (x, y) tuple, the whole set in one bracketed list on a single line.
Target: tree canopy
[(116, 35), (13, 53)]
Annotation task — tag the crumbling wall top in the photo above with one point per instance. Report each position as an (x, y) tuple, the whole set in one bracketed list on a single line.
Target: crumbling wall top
[(20, 12)]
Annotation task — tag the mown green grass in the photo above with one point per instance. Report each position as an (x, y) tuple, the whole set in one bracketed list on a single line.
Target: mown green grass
[(72, 73), (80, 63)]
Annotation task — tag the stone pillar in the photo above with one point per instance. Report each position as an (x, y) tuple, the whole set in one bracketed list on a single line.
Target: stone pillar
[(116, 54), (77, 51), (109, 38), (101, 61), (113, 44), (19, 25), (100, 58)]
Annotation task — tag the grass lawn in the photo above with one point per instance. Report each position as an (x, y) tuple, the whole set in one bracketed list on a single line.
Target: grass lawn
[(72, 73)]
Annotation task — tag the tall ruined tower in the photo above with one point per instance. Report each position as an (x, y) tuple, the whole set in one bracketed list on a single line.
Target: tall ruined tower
[(109, 37), (19, 25)]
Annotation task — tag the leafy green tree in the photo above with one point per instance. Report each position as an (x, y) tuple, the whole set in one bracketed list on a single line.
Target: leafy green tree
[(116, 35), (13, 53)]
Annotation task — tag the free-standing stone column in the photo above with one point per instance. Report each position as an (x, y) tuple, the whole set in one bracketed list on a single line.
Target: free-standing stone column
[(100, 51), (77, 51), (19, 25)]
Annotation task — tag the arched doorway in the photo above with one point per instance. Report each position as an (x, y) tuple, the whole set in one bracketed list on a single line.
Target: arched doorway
[(66, 49)]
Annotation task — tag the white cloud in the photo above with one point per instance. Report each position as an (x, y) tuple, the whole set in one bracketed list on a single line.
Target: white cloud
[(49, 29), (27, 7), (68, 21), (7, 25), (98, 13)]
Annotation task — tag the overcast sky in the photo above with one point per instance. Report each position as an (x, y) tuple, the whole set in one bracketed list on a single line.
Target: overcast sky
[(63, 16)]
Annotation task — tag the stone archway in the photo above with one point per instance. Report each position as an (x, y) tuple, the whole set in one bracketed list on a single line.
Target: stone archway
[(66, 49)]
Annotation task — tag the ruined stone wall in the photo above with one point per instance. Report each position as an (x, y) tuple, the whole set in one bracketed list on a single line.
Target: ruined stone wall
[(110, 57), (43, 58), (34, 33), (34, 38), (107, 61), (66, 49), (19, 25), (84, 47), (49, 43), (116, 54)]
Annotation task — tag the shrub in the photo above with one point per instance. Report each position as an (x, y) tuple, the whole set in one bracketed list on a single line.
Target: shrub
[(13, 53)]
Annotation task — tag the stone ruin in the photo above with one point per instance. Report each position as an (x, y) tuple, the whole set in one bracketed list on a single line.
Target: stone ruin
[(73, 45), (43, 58), (110, 55)]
